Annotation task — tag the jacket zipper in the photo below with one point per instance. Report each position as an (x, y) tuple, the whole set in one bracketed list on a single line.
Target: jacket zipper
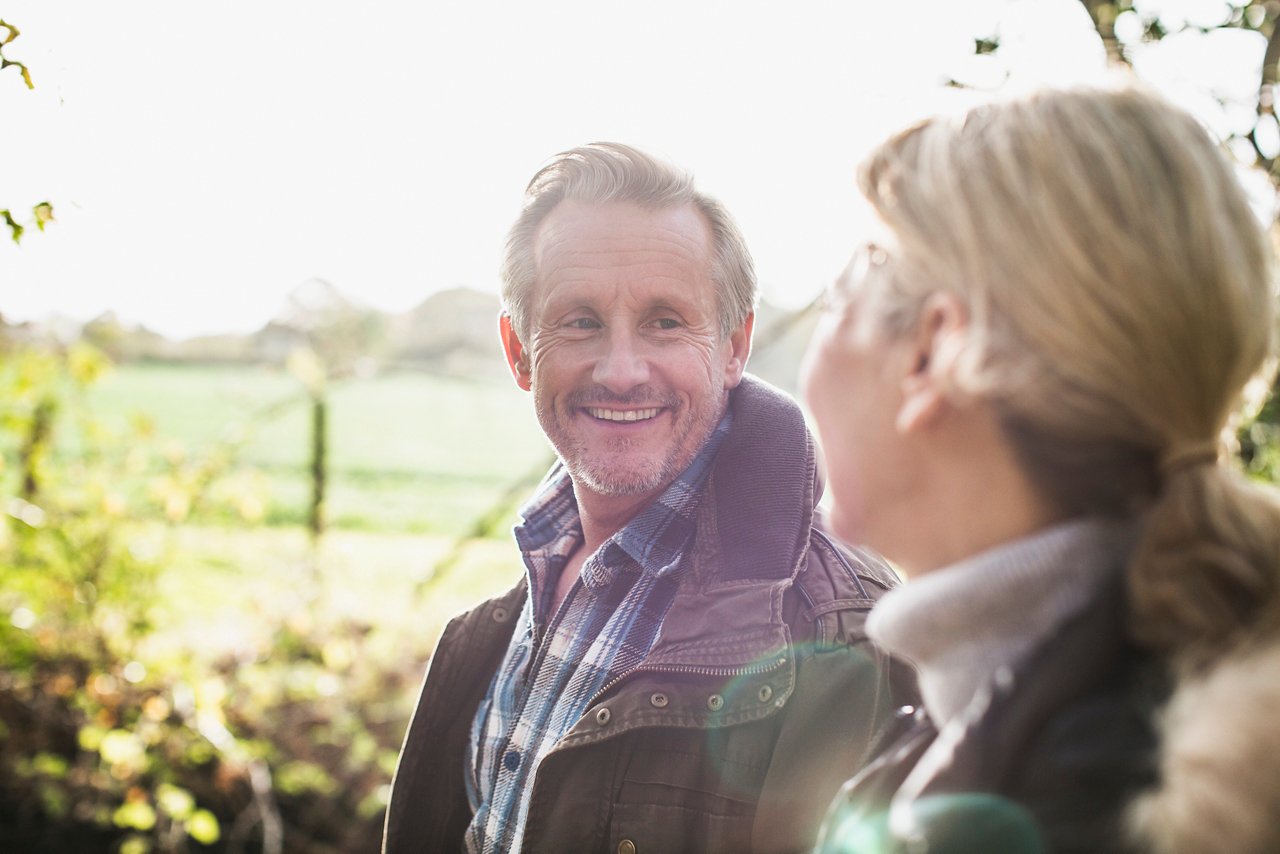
[(688, 668), (780, 661)]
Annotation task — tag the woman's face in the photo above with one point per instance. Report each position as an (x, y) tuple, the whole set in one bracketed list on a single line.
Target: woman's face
[(852, 384)]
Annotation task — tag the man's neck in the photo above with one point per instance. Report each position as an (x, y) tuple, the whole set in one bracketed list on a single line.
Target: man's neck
[(602, 516)]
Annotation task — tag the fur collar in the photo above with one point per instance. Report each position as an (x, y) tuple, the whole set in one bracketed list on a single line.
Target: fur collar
[(1219, 761)]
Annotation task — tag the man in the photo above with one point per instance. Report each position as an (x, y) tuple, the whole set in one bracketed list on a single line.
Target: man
[(684, 666)]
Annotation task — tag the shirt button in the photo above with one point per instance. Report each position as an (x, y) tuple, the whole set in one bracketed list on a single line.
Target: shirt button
[(602, 715), (658, 700), (626, 846), (511, 761), (715, 702), (499, 615)]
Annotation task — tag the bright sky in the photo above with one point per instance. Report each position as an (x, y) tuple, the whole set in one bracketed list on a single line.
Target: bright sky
[(205, 159)]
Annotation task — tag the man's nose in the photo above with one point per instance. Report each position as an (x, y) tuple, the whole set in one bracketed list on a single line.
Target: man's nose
[(623, 365)]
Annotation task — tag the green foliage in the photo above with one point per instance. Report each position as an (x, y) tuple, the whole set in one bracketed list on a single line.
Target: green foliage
[(123, 724), (10, 32), (1153, 23), (87, 730), (1259, 440), (42, 213)]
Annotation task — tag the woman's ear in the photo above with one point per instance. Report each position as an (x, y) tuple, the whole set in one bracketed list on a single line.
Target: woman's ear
[(940, 334), (517, 356)]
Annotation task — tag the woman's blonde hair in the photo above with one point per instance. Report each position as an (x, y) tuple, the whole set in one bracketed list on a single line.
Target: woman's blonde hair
[(1120, 298)]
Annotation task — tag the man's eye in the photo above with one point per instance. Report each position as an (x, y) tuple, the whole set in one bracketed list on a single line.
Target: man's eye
[(583, 323), (667, 323)]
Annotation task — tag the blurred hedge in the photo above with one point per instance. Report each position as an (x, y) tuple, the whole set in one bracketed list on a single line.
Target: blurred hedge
[(108, 743)]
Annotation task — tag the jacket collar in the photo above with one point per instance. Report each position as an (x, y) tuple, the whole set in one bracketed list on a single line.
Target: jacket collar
[(762, 491), (752, 536), (1086, 665), (753, 529)]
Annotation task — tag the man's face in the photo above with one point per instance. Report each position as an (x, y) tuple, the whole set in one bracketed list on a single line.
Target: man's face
[(625, 360)]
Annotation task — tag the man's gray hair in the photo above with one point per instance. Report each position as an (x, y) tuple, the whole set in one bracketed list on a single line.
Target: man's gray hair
[(605, 172)]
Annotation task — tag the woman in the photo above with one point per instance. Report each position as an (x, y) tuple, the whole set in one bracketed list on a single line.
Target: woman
[(1020, 387)]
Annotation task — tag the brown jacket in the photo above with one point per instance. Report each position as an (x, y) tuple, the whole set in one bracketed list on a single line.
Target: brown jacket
[(760, 696)]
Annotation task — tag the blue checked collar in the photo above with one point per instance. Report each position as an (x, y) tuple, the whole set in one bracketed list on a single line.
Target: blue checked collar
[(653, 542)]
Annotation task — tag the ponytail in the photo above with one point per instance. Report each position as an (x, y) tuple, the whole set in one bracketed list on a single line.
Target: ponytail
[(1206, 572)]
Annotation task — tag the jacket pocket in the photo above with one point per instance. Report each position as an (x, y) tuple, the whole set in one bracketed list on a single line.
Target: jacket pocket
[(690, 790)]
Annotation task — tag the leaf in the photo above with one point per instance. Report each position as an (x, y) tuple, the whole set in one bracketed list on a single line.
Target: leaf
[(26, 75), (90, 737), (121, 747), (136, 814), (299, 776), (175, 801), (135, 845), (43, 213), (13, 33), (50, 765), (86, 363), (13, 225), (203, 827)]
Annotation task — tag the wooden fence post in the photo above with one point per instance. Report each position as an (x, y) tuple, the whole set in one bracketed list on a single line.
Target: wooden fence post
[(319, 460)]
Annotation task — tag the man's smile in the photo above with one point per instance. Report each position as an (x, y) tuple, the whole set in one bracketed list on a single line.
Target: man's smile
[(605, 414)]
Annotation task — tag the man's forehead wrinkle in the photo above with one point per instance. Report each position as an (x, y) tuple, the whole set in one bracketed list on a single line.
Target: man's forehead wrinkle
[(658, 290), (577, 225), (636, 248), (570, 282), (645, 270)]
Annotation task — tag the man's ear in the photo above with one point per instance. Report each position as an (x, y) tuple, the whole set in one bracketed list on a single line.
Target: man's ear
[(930, 360), (517, 356), (739, 350)]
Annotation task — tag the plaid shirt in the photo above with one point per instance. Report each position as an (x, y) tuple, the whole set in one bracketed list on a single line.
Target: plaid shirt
[(605, 627)]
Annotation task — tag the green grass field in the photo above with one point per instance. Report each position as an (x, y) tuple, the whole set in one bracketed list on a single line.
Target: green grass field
[(409, 453), (225, 588), (414, 462)]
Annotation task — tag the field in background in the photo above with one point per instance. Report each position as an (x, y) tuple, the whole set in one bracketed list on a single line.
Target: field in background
[(409, 453), (225, 589), (414, 460)]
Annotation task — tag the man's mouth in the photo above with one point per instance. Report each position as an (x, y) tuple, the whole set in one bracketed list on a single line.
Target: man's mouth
[(622, 414)]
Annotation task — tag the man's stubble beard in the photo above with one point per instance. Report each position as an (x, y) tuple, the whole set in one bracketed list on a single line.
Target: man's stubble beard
[(597, 471)]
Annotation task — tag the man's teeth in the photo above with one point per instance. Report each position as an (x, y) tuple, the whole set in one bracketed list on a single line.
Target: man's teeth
[(622, 414)]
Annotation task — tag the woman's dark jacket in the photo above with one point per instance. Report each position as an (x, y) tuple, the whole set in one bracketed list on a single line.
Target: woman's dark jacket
[(1046, 758)]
